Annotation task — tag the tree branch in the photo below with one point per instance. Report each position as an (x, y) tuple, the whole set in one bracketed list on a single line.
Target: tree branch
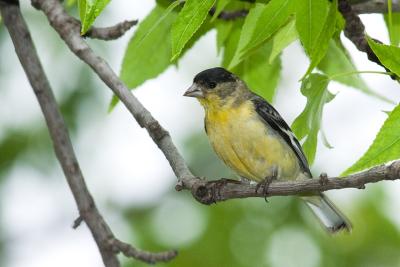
[(364, 7), (375, 6), (108, 245), (208, 192), (355, 31)]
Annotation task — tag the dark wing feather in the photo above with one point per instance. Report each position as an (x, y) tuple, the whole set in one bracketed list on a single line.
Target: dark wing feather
[(269, 114)]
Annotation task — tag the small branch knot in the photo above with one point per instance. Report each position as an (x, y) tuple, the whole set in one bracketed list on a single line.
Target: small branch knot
[(157, 131), (394, 170), (179, 186), (203, 193), (77, 222)]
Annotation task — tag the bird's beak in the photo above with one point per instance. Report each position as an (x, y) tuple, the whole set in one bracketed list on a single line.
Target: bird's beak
[(194, 91)]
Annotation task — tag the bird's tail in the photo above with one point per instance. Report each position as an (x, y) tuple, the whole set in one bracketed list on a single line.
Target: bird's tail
[(328, 214)]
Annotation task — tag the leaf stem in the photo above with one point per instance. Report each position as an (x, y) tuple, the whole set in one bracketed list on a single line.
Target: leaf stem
[(390, 21), (358, 72)]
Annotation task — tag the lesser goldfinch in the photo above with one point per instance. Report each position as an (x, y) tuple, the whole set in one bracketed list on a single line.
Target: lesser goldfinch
[(251, 138)]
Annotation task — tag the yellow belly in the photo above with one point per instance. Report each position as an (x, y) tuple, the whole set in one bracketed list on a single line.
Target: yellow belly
[(248, 146)]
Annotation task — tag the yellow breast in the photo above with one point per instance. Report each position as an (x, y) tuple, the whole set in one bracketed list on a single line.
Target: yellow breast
[(247, 145)]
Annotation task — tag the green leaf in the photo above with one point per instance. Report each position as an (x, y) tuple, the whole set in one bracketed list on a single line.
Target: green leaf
[(261, 76), (337, 61), (285, 36), (318, 49), (207, 26), (149, 51), (261, 23), (308, 123), (386, 146), (275, 14), (89, 10), (387, 54), (394, 30), (311, 16), (246, 33), (389, 22), (224, 29), (82, 10), (189, 20), (231, 43), (221, 4), (324, 139), (70, 3)]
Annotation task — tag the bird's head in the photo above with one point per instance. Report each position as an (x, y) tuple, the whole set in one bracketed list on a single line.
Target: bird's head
[(214, 87)]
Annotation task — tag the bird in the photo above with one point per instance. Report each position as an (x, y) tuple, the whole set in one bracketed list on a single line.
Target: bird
[(251, 138)]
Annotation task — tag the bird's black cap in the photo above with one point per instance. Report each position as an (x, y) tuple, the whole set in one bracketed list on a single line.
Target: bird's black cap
[(214, 75)]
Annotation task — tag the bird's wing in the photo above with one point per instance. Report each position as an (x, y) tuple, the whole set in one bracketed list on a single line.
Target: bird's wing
[(270, 116)]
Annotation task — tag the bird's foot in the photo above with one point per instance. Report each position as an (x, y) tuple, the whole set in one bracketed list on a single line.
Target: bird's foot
[(218, 184), (323, 178), (264, 184)]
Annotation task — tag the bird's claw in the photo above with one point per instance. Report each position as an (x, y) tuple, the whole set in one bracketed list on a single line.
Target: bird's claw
[(264, 184), (323, 178)]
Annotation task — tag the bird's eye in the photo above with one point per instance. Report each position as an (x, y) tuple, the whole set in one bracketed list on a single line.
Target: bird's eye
[(212, 85)]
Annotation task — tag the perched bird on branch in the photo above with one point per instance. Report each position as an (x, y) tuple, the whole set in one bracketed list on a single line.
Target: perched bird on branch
[(251, 138)]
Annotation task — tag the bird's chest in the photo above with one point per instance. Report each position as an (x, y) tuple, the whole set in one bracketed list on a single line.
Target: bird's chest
[(236, 126), (234, 135), (246, 144)]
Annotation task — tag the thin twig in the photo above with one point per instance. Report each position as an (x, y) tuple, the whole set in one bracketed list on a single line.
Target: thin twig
[(106, 33), (88, 211), (145, 256), (229, 15), (77, 222), (110, 33)]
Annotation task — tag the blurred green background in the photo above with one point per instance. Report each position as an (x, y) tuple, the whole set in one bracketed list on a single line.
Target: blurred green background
[(251, 232), (134, 186)]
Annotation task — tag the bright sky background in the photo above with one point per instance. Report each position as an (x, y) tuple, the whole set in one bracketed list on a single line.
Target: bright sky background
[(119, 160)]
